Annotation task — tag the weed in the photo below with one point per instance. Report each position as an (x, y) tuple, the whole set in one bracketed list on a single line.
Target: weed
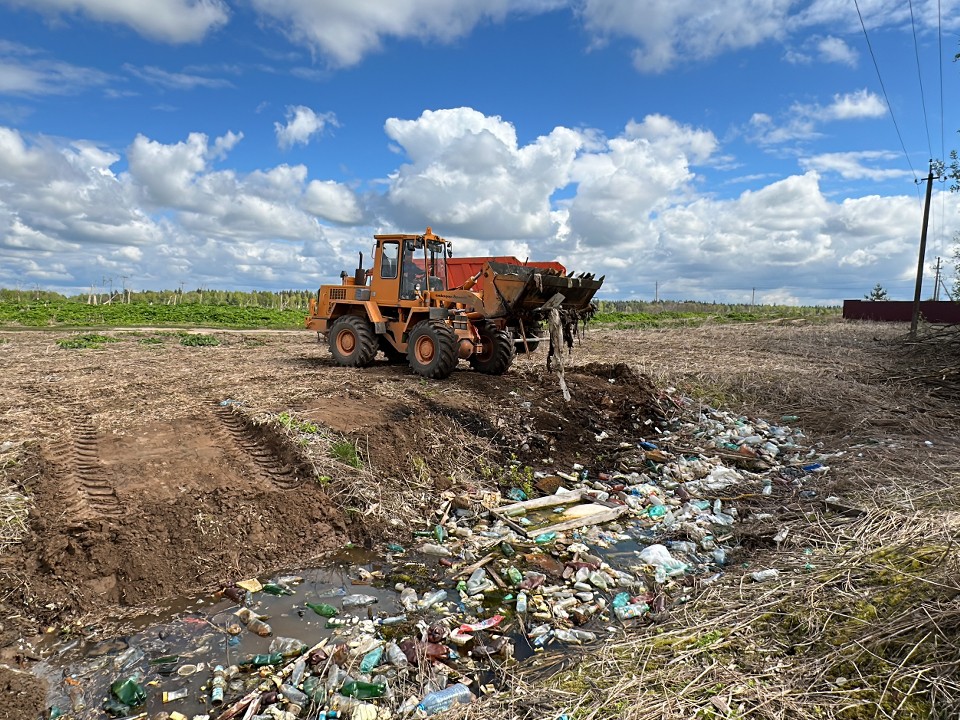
[(199, 340), (88, 342), (151, 341), (346, 452), (296, 424)]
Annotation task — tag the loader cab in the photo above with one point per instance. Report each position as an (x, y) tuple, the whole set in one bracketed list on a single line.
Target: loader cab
[(407, 266)]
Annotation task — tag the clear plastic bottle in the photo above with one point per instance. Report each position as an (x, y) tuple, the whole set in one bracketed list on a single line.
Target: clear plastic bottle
[(445, 699)]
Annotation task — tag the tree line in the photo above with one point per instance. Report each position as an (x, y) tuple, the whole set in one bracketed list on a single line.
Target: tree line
[(277, 300)]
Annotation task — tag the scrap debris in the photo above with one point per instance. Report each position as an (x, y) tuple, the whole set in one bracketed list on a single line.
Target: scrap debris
[(451, 605)]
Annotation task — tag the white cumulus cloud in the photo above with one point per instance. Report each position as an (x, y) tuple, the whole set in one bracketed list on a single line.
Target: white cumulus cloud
[(466, 172), (860, 165), (175, 21), (302, 124), (344, 31)]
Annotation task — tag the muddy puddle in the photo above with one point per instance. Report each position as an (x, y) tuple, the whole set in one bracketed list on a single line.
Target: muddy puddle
[(173, 653)]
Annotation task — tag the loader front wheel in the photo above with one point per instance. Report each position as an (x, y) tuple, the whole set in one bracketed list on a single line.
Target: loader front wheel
[(432, 350), (497, 351), (352, 341)]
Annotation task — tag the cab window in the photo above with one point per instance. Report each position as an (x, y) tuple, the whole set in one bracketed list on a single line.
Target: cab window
[(389, 254)]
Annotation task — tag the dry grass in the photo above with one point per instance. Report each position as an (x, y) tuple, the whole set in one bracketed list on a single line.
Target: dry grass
[(15, 505), (863, 621)]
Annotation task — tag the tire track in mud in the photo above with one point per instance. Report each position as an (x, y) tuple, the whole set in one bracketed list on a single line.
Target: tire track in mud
[(86, 487), (255, 443), (93, 484)]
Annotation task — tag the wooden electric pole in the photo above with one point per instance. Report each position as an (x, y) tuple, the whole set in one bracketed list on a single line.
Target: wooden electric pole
[(923, 251)]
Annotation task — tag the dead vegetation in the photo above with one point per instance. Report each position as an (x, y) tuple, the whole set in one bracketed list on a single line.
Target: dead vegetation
[(863, 620)]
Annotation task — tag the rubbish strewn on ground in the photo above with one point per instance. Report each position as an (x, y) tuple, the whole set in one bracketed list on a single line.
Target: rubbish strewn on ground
[(489, 581)]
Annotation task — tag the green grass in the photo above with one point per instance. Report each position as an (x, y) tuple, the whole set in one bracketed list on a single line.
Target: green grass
[(296, 424), (66, 313), (85, 342), (346, 452), (199, 340), (654, 315)]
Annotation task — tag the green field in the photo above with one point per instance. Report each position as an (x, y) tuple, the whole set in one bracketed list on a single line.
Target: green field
[(629, 314), (283, 311), (66, 313)]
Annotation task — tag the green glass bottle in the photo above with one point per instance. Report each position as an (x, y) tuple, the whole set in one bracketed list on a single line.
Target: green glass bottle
[(362, 690), (274, 589), (322, 609), (129, 691)]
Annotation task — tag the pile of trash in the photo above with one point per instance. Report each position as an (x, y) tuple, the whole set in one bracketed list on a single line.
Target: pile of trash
[(573, 558)]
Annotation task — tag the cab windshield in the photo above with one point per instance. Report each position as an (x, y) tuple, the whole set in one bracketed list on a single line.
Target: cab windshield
[(424, 266)]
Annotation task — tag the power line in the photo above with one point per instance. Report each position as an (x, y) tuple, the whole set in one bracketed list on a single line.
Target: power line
[(923, 101), (884, 89), (943, 147)]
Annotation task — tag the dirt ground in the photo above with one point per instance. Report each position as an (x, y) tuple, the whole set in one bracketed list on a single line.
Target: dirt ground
[(156, 469)]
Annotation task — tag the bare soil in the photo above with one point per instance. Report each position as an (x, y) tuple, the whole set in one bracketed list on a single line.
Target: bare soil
[(158, 470)]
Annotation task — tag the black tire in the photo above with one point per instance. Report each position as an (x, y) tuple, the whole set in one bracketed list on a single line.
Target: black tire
[(498, 351), (352, 341), (393, 356), (432, 349)]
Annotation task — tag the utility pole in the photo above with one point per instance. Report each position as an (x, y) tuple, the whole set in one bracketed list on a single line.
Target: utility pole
[(923, 252), (753, 297), (656, 291), (936, 283)]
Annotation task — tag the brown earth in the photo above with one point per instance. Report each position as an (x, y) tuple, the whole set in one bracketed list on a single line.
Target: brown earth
[(157, 470)]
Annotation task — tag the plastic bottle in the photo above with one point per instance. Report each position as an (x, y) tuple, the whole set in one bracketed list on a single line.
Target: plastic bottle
[(483, 624), (362, 690), (445, 699), (371, 659), (764, 575), (408, 598), (296, 674), (77, 701), (633, 610), (432, 598), (264, 659), (359, 600), (286, 646), (436, 550), (478, 582), (294, 696), (521, 603), (218, 686), (258, 626), (767, 486), (545, 538), (395, 656), (323, 609), (313, 688)]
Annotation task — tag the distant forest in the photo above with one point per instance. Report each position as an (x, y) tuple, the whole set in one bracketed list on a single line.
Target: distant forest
[(282, 300)]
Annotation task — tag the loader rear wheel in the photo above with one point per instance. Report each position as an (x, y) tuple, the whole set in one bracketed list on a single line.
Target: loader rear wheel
[(432, 349), (352, 341), (498, 351)]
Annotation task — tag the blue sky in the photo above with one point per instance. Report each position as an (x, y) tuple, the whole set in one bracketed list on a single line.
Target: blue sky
[(746, 148)]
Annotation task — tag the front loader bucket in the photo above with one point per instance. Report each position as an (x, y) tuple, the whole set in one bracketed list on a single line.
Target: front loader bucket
[(512, 290)]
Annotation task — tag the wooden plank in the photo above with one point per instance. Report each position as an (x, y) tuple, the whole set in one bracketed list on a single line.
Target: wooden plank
[(548, 501), (593, 519)]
